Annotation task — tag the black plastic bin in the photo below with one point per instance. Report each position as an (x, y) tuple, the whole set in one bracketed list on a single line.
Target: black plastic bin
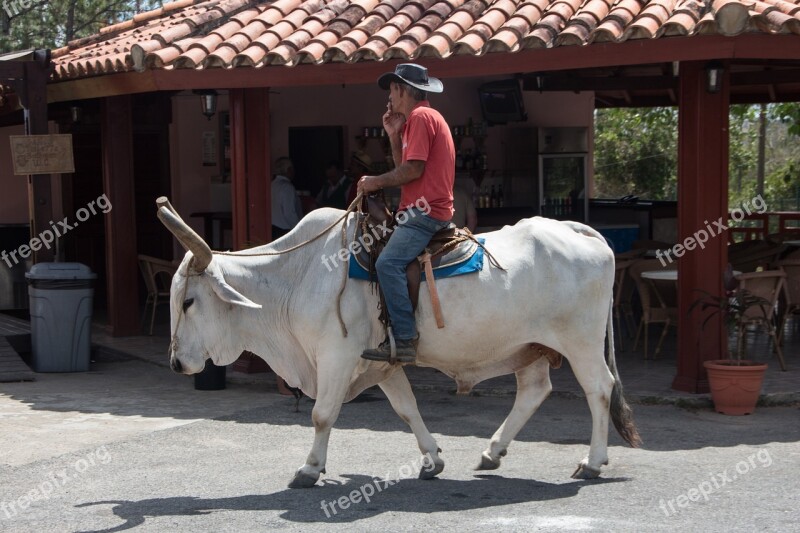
[(61, 316), (211, 378)]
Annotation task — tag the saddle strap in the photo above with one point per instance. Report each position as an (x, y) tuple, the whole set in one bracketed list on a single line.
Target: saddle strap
[(435, 303)]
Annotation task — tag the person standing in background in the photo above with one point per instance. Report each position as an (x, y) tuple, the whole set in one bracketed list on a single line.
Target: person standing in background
[(336, 189), (464, 214), (286, 211)]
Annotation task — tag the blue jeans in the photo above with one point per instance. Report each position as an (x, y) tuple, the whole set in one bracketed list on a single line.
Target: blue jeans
[(406, 242)]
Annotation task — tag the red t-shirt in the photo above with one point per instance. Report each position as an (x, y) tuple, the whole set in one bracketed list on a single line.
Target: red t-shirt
[(426, 137)]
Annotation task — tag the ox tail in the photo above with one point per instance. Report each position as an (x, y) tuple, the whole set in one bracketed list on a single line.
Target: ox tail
[(621, 413)]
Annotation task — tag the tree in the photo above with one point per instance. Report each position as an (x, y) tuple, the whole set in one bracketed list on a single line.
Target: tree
[(636, 152), (53, 23)]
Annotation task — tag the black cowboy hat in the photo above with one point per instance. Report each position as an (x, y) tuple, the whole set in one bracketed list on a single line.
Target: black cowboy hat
[(413, 75)]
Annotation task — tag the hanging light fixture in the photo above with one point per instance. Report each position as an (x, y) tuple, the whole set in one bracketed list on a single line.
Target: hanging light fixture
[(75, 114), (714, 72), (208, 100)]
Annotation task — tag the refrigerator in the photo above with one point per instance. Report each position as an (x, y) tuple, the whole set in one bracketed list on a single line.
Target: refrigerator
[(563, 174)]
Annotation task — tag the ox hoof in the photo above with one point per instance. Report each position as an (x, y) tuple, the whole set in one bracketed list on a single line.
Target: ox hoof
[(487, 463), (585, 471), (426, 472), (302, 480)]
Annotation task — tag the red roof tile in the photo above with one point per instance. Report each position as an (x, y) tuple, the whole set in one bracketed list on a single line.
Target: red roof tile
[(203, 34)]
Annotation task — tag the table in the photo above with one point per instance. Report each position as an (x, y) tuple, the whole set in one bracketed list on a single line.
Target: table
[(661, 275), (668, 275)]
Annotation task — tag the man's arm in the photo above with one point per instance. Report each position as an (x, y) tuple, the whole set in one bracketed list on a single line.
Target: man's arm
[(408, 171)]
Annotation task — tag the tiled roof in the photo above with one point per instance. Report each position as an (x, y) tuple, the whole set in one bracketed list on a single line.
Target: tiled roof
[(190, 34)]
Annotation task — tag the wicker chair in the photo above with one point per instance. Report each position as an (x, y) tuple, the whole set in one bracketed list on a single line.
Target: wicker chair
[(791, 291), (659, 305), (157, 274), (769, 286)]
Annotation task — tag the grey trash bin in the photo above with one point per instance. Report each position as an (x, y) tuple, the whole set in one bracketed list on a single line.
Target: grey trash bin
[(61, 316)]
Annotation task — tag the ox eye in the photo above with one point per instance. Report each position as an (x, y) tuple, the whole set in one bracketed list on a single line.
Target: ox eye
[(187, 303)]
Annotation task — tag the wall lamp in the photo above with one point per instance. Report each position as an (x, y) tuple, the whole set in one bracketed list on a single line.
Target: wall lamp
[(714, 72), (208, 100)]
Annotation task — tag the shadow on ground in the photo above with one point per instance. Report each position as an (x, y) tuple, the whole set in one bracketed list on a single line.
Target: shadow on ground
[(405, 495)]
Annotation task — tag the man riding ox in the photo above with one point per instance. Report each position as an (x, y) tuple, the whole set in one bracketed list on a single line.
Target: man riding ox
[(552, 298), (424, 158)]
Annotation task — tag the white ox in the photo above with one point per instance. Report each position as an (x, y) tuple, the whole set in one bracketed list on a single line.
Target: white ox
[(555, 292)]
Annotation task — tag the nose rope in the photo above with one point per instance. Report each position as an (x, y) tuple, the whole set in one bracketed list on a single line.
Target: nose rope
[(173, 343)]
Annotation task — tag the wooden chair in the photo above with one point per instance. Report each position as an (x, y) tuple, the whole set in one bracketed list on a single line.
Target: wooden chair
[(791, 291), (769, 286), (659, 305), (157, 275), (789, 222), (752, 227), (623, 295)]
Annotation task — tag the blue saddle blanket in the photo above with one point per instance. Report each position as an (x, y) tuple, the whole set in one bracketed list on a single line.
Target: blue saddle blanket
[(470, 264)]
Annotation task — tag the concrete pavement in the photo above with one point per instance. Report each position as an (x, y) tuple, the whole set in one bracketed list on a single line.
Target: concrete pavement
[(130, 445)]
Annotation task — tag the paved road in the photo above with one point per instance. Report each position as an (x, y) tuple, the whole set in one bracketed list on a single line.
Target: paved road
[(131, 446)]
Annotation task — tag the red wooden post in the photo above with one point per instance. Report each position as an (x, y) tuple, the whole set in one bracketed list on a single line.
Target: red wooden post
[(702, 200), (251, 167), (40, 201), (121, 257)]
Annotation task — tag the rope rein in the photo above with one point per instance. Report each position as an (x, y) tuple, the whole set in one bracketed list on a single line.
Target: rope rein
[(353, 207)]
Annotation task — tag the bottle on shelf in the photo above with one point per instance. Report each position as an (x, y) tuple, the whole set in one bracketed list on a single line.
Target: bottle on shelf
[(468, 160), (493, 198), (500, 199), (484, 198), (475, 198)]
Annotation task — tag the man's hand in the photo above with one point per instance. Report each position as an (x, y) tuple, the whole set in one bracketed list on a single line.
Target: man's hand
[(393, 122), (367, 184)]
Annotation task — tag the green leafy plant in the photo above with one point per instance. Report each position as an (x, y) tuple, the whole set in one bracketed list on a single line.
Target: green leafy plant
[(731, 308)]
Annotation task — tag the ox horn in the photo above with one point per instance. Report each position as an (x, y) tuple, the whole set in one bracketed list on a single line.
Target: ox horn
[(185, 235)]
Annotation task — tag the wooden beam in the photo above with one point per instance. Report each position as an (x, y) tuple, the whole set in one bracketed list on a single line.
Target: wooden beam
[(766, 77), (118, 184), (599, 55), (579, 82), (251, 167), (238, 168), (40, 196), (259, 168), (702, 200), (11, 70)]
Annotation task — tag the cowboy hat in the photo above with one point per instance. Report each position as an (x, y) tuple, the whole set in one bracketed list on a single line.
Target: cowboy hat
[(413, 75)]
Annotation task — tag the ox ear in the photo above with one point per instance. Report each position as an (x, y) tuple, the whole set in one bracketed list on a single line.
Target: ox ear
[(228, 293)]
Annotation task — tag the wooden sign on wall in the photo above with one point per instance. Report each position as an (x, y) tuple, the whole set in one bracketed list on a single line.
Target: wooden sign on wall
[(42, 154)]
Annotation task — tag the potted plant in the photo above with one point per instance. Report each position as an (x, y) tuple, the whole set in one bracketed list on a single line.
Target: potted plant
[(735, 382)]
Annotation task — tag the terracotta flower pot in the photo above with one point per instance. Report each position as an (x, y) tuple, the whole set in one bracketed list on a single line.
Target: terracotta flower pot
[(735, 388)]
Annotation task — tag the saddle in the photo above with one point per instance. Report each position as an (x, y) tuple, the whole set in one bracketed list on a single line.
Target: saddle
[(449, 246)]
